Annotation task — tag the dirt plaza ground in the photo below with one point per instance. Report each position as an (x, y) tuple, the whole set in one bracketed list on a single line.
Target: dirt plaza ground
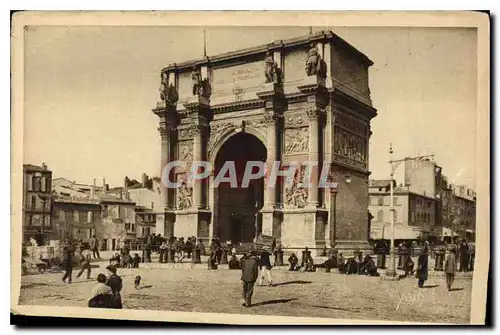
[(316, 294)]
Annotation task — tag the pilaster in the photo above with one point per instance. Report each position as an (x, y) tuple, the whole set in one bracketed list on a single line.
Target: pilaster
[(275, 105)]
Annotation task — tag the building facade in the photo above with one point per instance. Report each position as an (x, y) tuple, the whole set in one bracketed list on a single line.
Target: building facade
[(149, 209), (75, 218), (303, 99), (414, 214), (463, 212), (118, 226), (37, 203)]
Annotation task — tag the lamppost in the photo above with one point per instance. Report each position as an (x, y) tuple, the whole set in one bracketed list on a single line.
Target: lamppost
[(333, 217), (391, 270), (44, 202)]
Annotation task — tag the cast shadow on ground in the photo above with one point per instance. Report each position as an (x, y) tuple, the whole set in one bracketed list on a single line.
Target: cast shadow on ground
[(429, 286), (275, 301), (144, 287), (293, 282), (457, 289)]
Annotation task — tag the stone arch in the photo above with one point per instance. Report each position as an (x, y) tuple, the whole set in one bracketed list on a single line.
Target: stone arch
[(230, 133)]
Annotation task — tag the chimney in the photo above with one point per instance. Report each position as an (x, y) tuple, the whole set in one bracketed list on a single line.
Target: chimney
[(44, 166), (92, 190), (104, 184), (144, 180)]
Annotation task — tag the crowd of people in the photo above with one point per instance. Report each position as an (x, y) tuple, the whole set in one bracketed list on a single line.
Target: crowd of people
[(255, 266)]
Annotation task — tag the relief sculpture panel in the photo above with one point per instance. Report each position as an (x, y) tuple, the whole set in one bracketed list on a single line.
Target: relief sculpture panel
[(186, 151), (184, 199), (296, 140), (217, 131), (350, 148), (296, 194)]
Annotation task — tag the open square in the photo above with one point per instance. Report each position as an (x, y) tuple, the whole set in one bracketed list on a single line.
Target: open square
[(297, 294)]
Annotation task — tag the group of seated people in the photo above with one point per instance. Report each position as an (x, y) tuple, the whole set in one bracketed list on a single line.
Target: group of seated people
[(357, 265), (307, 264), (125, 260)]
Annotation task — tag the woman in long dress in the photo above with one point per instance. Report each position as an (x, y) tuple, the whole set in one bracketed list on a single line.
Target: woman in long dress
[(116, 285)]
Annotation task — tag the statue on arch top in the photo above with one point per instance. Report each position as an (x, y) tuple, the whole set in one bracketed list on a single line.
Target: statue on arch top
[(272, 72), (201, 87), (314, 64), (168, 93), (196, 80)]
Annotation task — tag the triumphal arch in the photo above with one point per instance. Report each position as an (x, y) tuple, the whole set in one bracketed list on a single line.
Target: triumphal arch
[(297, 100)]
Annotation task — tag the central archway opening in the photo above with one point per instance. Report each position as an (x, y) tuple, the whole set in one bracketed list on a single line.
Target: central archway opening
[(237, 208)]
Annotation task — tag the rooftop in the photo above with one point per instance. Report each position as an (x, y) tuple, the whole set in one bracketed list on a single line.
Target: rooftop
[(380, 183), (31, 167), (281, 44)]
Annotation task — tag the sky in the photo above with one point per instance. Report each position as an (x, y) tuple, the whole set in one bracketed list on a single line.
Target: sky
[(89, 92)]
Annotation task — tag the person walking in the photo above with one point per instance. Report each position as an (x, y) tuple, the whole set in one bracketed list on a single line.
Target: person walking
[(85, 262), (94, 246), (422, 267), (265, 268), (67, 263), (450, 267), (249, 274)]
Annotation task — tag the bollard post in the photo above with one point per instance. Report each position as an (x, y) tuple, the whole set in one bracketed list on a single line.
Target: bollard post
[(170, 255), (196, 258), (278, 258), (440, 253), (224, 256)]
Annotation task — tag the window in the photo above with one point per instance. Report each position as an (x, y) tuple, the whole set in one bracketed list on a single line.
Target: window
[(62, 215), (37, 183), (127, 226), (381, 201), (380, 216), (43, 184), (132, 227), (412, 216), (76, 217), (33, 202), (429, 204), (89, 216), (395, 199), (395, 216), (29, 180)]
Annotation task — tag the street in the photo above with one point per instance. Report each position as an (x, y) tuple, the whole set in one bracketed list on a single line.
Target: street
[(316, 294)]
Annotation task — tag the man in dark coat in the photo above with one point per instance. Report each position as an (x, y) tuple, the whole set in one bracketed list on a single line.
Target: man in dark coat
[(305, 256), (249, 274), (293, 260), (450, 268), (464, 256), (422, 267), (234, 263), (67, 263)]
